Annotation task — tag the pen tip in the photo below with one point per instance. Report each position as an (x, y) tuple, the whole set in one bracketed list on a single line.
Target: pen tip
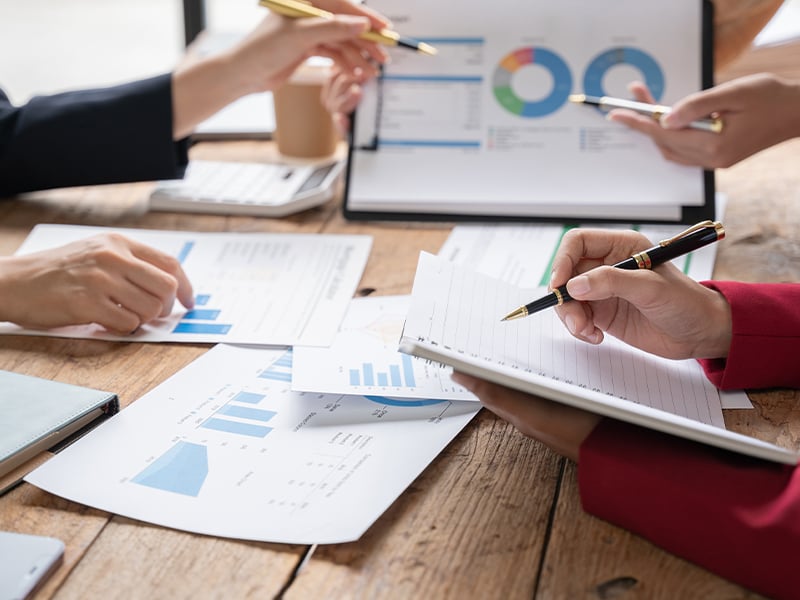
[(577, 98), (427, 49)]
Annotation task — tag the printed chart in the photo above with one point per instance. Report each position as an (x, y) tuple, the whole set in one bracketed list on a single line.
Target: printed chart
[(364, 359), (227, 432)]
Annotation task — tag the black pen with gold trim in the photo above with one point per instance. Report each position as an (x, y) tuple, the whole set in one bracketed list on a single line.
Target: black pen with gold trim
[(695, 237)]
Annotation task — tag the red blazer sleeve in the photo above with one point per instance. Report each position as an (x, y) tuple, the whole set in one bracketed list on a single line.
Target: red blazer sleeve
[(116, 134), (765, 350), (735, 516)]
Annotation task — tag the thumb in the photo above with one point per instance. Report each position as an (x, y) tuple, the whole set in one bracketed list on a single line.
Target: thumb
[(693, 107), (337, 29), (641, 287)]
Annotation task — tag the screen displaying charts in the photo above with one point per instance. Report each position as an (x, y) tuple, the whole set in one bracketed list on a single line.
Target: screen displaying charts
[(364, 359)]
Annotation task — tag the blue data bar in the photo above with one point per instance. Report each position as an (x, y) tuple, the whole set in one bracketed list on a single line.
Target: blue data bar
[(245, 412), (192, 327), (369, 378), (355, 377), (236, 427), (408, 371), (184, 252), (202, 314), (276, 375), (248, 397), (383, 379), (394, 371)]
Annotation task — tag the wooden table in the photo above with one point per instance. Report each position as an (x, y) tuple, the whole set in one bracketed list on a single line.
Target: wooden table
[(496, 515)]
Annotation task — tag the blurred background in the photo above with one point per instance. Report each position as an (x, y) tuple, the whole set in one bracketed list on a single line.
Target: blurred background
[(55, 45)]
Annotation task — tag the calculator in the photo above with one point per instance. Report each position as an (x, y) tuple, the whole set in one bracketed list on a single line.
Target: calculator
[(237, 188)]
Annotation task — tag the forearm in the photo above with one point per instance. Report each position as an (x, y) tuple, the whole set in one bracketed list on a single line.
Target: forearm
[(109, 135), (736, 516), (201, 88)]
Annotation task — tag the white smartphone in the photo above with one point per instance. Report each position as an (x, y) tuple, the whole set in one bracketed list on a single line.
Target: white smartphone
[(28, 560)]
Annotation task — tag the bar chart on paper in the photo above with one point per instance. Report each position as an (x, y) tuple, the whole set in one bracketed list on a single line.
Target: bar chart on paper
[(230, 450), (364, 359)]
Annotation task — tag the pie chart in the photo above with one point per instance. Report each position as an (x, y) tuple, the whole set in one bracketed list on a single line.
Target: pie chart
[(624, 55), (530, 57)]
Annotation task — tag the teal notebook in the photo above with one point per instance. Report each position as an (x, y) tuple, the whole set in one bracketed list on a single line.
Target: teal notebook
[(38, 414)]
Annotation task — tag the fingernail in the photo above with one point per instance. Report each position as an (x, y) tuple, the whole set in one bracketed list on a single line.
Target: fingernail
[(569, 321), (578, 286)]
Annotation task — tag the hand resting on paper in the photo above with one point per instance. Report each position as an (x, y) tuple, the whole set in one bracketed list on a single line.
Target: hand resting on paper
[(106, 279), (758, 111)]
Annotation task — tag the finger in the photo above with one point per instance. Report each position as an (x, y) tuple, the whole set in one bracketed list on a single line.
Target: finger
[(641, 92), (377, 20), (637, 122), (114, 317), (697, 106), (318, 32), (140, 301), (581, 249), (642, 288), (578, 319), (169, 265)]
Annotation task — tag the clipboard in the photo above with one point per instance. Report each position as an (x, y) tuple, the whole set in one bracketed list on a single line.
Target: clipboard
[(484, 129)]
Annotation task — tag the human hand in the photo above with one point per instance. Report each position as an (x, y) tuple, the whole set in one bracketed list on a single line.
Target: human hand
[(560, 427), (340, 96), (106, 279), (269, 54), (758, 111), (661, 311)]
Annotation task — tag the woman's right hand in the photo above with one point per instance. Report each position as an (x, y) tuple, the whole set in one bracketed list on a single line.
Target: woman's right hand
[(661, 311)]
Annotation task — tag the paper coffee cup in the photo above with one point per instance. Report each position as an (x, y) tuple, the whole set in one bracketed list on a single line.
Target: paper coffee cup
[(303, 128)]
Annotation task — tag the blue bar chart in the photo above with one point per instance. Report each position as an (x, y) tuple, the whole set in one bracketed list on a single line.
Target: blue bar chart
[(202, 320), (364, 360), (241, 420), (394, 375)]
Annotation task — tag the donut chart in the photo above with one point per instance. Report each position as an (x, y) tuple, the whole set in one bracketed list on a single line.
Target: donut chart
[(521, 58), (651, 71)]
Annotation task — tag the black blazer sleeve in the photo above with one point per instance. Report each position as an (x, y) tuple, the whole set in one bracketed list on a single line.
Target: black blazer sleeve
[(110, 135)]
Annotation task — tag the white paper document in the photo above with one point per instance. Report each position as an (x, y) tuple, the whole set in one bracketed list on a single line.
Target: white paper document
[(252, 288), (455, 318), (364, 358), (486, 126), (522, 255), (231, 451)]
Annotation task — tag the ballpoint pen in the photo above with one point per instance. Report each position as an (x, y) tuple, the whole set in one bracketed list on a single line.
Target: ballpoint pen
[(299, 9), (691, 239), (655, 111)]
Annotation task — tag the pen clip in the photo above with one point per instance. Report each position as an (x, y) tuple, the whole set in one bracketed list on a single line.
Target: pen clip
[(696, 227)]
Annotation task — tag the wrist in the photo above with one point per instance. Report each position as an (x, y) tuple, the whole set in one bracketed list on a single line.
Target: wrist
[(202, 88), (720, 331)]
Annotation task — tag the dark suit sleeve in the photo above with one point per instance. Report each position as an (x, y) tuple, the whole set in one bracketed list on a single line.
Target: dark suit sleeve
[(110, 135)]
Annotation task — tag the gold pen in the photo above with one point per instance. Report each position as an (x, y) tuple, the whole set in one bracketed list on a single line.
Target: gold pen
[(655, 111), (297, 9)]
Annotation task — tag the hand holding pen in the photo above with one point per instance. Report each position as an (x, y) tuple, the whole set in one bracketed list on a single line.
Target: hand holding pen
[(300, 9), (661, 311), (758, 111)]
